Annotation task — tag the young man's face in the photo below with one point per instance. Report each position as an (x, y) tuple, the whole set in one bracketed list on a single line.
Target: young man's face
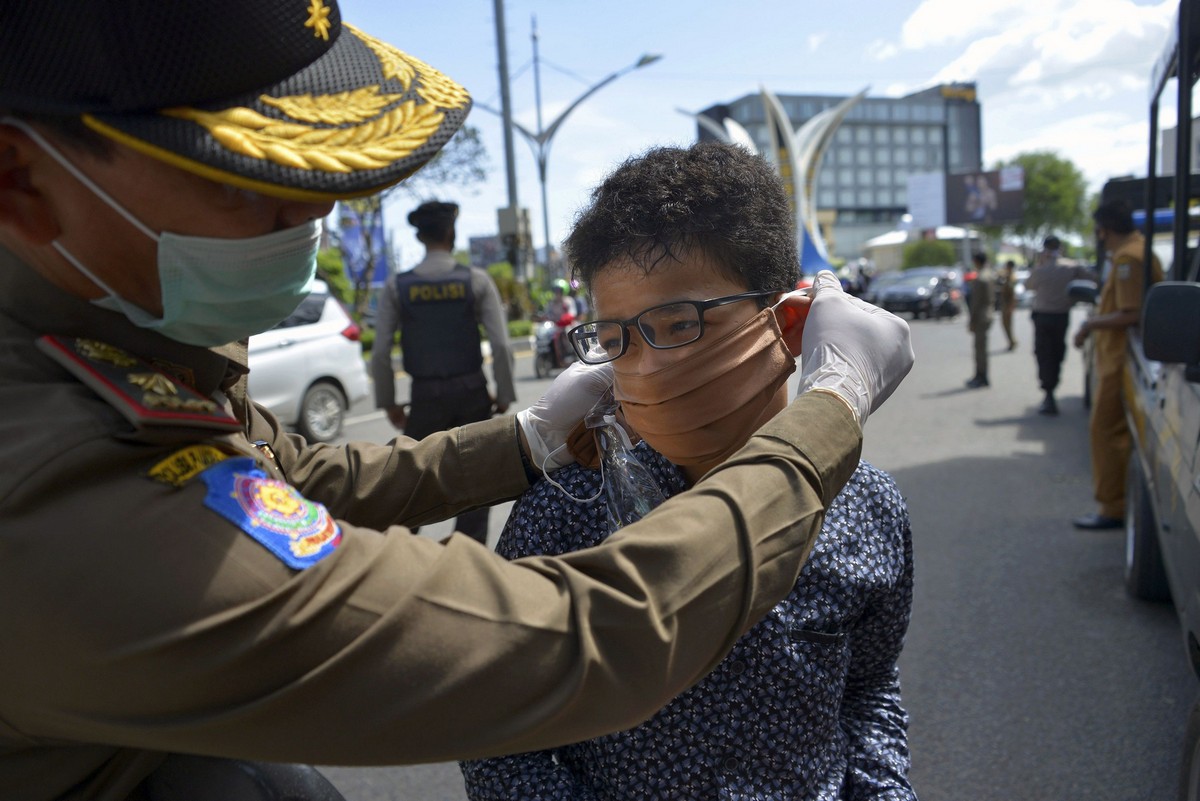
[(621, 290)]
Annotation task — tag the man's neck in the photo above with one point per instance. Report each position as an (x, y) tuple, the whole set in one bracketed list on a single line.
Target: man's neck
[(1117, 241)]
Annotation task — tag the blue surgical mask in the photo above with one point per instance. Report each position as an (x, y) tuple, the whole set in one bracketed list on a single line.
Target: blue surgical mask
[(214, 291)]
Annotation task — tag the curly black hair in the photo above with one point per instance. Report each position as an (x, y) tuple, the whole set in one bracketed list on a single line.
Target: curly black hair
[(716, 198)]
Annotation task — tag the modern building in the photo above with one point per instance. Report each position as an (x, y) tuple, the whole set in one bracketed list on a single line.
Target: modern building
[(863, 176)]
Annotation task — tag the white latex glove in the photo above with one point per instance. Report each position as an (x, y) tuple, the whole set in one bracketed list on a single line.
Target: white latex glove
[(853, 348), (551, 417)]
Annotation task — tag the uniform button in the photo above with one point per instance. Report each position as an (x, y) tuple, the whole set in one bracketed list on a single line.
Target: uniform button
[(731, 763), (737, 668)]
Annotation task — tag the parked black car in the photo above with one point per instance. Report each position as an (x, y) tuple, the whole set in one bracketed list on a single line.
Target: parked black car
[(934, 292)]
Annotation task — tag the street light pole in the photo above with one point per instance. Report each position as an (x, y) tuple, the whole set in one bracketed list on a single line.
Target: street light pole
[(540, 142), (512, 246), (537, 96)]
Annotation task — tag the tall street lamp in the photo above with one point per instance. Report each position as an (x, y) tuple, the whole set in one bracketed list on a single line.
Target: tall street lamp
[(540, 142)]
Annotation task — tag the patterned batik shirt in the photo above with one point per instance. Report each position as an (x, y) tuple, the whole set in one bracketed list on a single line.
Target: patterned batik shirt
[(805, 706)]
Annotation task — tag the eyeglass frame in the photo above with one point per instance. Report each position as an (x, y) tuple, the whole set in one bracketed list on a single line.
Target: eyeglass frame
[(701, 306)]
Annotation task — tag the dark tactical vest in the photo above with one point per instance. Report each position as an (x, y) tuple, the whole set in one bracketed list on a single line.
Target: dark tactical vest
[(439, 336)]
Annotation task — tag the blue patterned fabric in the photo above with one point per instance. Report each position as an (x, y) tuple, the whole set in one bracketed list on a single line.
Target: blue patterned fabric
[(807, 704)]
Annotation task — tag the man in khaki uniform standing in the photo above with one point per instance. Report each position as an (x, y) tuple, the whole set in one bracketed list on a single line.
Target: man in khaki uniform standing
[(188, 591), (1119, 309), (980, 303)]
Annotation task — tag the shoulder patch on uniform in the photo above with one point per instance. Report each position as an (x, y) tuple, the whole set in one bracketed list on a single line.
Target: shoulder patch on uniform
[(185, 464), (295, 529), (141, 391)]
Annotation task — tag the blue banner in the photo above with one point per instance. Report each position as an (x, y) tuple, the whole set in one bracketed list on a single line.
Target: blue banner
[(355, 254)]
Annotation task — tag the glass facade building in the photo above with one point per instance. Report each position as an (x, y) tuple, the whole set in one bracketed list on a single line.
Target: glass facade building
[(863, 176)]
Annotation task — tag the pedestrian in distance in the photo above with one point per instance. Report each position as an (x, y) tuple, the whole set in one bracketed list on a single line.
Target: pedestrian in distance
[(980, 302), (702, 334), (191, 595), (1117, 311), (437, 309), (1007, 288), (1050, 312)]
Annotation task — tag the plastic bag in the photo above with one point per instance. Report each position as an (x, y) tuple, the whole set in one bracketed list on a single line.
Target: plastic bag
[(630, 491)]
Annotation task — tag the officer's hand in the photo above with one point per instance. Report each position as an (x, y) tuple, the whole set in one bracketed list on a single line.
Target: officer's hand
[(550, 419), (499, 408), (853, 348), (397, 416)]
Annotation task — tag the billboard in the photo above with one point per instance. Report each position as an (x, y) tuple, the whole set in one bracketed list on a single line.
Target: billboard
[(985, 198)]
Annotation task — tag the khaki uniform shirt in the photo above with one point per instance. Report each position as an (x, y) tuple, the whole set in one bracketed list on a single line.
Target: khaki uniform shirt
[(150, 602), (982, 300), (1123, 290)]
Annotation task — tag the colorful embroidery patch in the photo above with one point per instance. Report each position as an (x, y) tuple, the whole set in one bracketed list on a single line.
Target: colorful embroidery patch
[(182, 466), (298, 531)]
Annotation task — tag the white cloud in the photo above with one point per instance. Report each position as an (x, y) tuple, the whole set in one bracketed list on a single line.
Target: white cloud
[(1103, 145), (880, 50), (1051, 44), (815, 40)]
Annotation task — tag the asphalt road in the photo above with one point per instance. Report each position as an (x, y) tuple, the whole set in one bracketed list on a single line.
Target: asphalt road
[(1027, 672)]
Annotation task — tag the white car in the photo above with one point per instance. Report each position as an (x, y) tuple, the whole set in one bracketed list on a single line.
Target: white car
[(309, 369)]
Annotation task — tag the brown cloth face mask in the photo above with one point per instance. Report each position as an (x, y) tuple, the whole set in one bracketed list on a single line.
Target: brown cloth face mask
[(704, 407)]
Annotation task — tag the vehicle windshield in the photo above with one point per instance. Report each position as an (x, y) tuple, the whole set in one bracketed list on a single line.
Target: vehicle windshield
[(916, 280)]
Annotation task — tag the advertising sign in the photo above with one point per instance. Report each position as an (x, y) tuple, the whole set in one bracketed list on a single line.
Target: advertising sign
[(985, 198)]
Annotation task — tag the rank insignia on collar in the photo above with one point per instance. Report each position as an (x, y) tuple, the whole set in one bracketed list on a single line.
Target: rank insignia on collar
[(140, 390), (273, 512)]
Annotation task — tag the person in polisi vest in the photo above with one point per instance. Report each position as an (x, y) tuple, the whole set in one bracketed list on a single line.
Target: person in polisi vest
[(437, 308)]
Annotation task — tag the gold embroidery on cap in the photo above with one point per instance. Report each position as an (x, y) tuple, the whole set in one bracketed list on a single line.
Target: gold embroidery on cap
[(392, 62), (101, 352), (361, 147), (353, 107), (435, 87), (318, 19), (374, 130)]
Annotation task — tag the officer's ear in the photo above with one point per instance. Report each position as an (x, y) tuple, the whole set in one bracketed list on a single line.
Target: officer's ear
[(24, 210)]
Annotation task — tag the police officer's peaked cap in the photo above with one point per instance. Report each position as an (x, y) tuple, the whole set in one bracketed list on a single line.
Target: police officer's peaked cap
[(279, 96), (433, 213)]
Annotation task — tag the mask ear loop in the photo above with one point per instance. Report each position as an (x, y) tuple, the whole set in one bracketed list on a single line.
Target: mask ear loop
[(806, 292), (563, 489)]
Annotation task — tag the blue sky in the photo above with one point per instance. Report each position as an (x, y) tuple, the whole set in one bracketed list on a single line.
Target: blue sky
[(1064, 75)]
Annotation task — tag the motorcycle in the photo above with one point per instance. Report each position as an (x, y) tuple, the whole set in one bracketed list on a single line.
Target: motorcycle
[(552, 351)]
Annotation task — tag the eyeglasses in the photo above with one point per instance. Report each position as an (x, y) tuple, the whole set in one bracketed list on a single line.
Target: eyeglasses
[(671, 325)]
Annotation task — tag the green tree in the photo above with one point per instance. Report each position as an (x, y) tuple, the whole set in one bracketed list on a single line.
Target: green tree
[(462, 163), (927, 253), (1055, 198), (332, 271), (513, 293)]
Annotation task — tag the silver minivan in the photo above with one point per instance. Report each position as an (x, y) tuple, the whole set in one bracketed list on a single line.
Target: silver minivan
[(309, 369)]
